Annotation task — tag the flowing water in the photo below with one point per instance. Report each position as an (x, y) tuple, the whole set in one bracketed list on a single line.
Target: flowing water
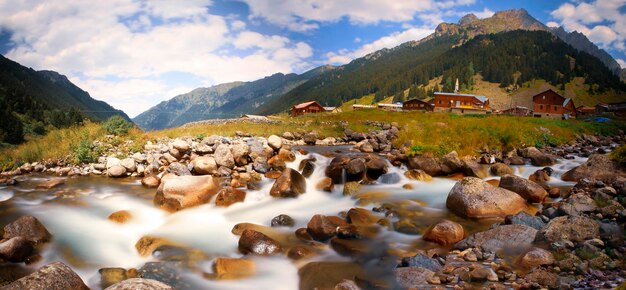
[(84, 238)]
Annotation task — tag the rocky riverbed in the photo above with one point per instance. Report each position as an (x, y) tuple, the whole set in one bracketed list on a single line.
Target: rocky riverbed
[(253, 212)]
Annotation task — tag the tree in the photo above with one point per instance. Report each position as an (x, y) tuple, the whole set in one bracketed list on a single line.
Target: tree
[(11, 129)]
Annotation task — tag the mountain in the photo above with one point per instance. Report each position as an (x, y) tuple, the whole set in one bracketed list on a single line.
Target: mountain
[(389, 71), (221, 101), (31, 101)]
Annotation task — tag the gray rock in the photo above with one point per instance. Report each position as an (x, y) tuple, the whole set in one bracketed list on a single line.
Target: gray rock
[(571, 228), (423, 261), (116, 171), (139, 284), (529, 190), (523, 218), (129, 164), (241, 152), (474, 198), (112, 161), (55, 276), (275, 142), (204, 165), (223, 156), (501, 237)]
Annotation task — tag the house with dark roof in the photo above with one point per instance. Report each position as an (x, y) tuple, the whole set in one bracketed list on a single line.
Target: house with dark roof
[(549, 104), (417, 105), (307, 108), (461, 103), (519, 111)]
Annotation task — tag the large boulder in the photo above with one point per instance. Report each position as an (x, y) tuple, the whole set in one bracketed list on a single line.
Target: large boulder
[(179, 192), (116, 171), (275, 142), (129, 164), (450, 163), (229, 195), (55, 276), (570, 228), (473, 168), (430, 165), (599, 167), (529, 190), (139, 284), (241, 153), (223, 156), (16, 250), (537, 157), (355, 169), (336, 167), (444, 232), (181, 145), (322, 228), (536, 257), (500, 237), (151, 181), (375, 168), (501, 169), (290, 184), (474, 198), (27, 227), (253, 242), (204, 165)]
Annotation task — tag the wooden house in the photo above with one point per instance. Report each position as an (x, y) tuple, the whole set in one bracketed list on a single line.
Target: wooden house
[(417, 105), (618, 109), (584, 111), (461, 103), (362, 107), (307, 108), (332, 109), (518, 111), (550, 104), (390, 107)]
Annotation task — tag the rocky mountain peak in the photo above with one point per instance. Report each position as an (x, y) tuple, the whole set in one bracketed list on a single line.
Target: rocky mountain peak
[(467, 19)]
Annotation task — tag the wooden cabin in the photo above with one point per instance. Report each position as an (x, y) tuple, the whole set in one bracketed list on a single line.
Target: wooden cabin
[(584, 111), (362, 107), (551, 105), (461, 103), (618, 109), (390, 107), (332, 109), (307, 108), (518, 111), (417, 105)]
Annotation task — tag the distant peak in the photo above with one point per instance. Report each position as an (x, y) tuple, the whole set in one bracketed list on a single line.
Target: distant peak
[(467, 19), (511, 13)]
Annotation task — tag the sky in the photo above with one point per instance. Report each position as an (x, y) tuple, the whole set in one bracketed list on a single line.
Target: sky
[(134, 54)]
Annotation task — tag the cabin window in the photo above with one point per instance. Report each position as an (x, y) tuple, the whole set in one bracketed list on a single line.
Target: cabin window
[(555, 108), (540, 107)]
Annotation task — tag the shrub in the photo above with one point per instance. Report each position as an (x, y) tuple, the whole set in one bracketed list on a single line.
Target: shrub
[(619, 155), (117, 125), (84, 152)]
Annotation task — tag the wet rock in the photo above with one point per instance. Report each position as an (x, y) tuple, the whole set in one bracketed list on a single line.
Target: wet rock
[(472, 168), (120, 216), (204, 165), (229, 195), (500, 237), (543, 160), (282, 220), (346, 284), (332, 273), (322, 228), (116, 171), (51, 183), (336, 167), (472, 197), (290, 184), (365, 147), (16, 250), (501, 169), (450, 163), (325, 184), (179, 192), (430, 165), (360, 216), (112, 161), (390, 178), (110, 276), (421, 261), (241, 153), (571, 228), (444, 232), (253, 242), (375, 168), (599, 167), (151, 181), (309, 138), (515, 160), (355, 169), (129, 164), (168, 273), (228, 268), (139, 284), (146, 245), (529, 190), (300, 252), (543, 278), (307, 167), (413, 277), (275, 142), (55, 276), (273, 174), (178, 169), (351, 188), (523, 218), (223, 156), (417, 174), (27, 227), (536, 257)]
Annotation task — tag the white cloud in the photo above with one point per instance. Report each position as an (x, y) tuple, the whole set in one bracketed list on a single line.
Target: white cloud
[(621, 62), (136, 42), (602, 21), (552, 24)]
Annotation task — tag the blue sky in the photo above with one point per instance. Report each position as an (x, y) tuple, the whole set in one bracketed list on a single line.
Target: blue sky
[(135, 53)]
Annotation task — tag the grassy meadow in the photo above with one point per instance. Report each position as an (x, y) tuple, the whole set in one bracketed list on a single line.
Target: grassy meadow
[(421, 133)]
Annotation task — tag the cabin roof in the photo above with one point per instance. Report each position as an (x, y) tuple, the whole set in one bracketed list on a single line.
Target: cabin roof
[(329, 108), (480, 98), (390, 105), (304, 105), (566, 101)]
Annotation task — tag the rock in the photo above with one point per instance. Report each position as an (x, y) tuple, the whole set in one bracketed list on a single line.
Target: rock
[(282, 220), (322, 228), (179, 169), (482, 274), (417, 174), (120, 216), (229, 195), (275, 142), (151, 181), (146, 245), (309, 138), (288, 136), (355, 169), (16, 250), (50, 183), (336, 167), (112, 161), (351, 188), (421, 261), (129, 164), (181, 145), (472, 168), (179, 192), (375, 168), (300, 252), (346, 284), (55, 276), (444, 232), (223, 156), (204, 165), (360, 216), (365, 147), (307, 167), (290, 184), (139, 284), (273, 174), (543, 278), (523, 218), (27, 227), (430, 165), (500, 237), (229, 268), (571, 228), (598, 167), (253, 242), (413, 277), (241, 152), (332, 273), (325, 184), (540, 176), (473, 198), (111, 276), (116, 171), (450, 163), (501, 169), (390, 178), (529, 190), (536, 257), (542, 160)]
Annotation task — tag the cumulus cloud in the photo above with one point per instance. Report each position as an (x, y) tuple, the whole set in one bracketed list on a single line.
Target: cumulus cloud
[(621, 62), (602, 21), (136, 42)]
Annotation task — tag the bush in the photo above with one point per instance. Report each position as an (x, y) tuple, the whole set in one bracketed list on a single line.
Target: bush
[(619, 155), (117, 125), (84, 152)]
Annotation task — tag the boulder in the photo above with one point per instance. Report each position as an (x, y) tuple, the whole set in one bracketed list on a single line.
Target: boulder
[(179, 169), (332, 273), (540, 176), (501, 169), (413, 277), (421, 261), (241, 153), (309, 138), (223, 156), (181, 145), (282, 220), (55, 276), (204, 165), (444, 232), (325, 184), (307, 167), (570, 228), (120, 216), (523, 218), (290, 184), (27, 227), (179, 192), (116, 171), (351, 188), (16, 250), (253, 242), (543, 160), (515, 160), (322, 228), (355, 169), (129, 164), (336, 167), (151, 181), (536, 257), (599, 167), (229, 195), (146, 245), (112, 161), (544, 278), (450, 163), (500, 237), (139, 284), (529, 190), (375, 168), (229, 268), (50, 183), (300, 252), (275, 142), (430, 165), (474, 198), (473, 168), (418, 174)]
